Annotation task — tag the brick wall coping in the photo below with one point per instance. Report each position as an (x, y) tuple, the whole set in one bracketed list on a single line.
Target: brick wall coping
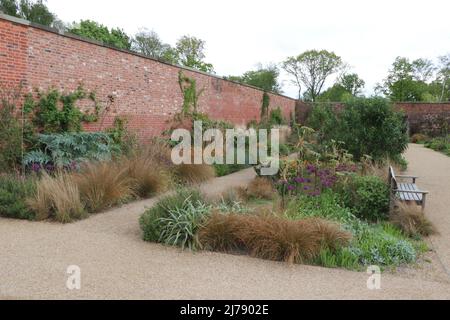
[(101, 44)]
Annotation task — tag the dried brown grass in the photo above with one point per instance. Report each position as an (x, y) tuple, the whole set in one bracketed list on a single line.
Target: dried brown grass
[(260, 188), (104, 184), (57, 197), (411, 220), (148, 177), (270, 237), (195, 173)]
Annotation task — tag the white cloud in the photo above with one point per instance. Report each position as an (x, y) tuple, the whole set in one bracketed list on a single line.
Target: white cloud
[(240, 34)]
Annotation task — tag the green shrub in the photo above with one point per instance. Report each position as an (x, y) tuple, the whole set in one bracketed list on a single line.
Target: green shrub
[(180, 227), (367, 126), (383, 245), (419, 138), (64, 149), (10, 136), (14, 193), (276, 117), (367, 197), (149, 221), (441, 144)]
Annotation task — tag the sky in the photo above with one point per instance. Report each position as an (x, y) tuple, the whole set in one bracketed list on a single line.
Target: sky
[(240, 34)]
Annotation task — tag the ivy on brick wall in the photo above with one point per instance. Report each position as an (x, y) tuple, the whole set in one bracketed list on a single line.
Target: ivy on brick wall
[(54, 112), (188, 87)]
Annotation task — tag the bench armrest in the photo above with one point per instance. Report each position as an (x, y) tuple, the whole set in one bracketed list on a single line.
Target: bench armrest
[(409, 191), (413, 178)]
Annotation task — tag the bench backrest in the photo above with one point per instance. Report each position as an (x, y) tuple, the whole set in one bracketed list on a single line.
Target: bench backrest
[(392, 178)]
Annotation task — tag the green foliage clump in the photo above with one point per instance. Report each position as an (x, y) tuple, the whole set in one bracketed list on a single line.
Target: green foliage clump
[(93, 30), (181, 226), (276, 117), (64, 149), (14, 192), (441, 144), (382, 245), (10, 136), (34, 11), (366, 126), (265, 78), (150, 221), (188, 87), (56, 112), (122, 139), (367, 197)]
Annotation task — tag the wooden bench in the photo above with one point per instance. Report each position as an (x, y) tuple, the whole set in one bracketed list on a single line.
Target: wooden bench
[(407, 192)]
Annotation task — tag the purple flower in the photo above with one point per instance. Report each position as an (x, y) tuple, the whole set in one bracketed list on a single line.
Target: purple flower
[(300, 180), (306, 188), (291, 188), (311, 168), (49, 167), (36, 167)]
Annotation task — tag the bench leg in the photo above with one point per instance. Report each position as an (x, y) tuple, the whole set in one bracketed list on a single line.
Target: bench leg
[(424, 197)]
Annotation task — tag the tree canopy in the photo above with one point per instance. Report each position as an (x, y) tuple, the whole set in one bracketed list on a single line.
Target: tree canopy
[(115, 37), (417, 80), (34, 11), (312, 68), (265, 78)]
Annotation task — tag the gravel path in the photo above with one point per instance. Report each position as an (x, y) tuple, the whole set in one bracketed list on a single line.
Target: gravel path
[(116, 264)]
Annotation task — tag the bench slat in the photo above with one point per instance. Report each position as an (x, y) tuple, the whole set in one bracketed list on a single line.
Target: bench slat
[(408, 196)]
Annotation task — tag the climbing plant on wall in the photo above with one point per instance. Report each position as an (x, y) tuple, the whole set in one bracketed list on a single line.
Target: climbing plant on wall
[(188, 87), (54, 112), (265, 106)]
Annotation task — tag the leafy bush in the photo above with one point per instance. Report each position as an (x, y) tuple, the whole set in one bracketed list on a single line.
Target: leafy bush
[(56, 112), (103, 184), (441, 144), (58, 198), (276, 117), (382, 245), (10, 136), (419, 138), (14, 192), (123, 140), (63, 150), (149, 221), (367, 197), (367, 126)]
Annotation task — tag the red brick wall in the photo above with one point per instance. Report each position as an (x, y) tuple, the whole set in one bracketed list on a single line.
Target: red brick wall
[(146, 91), (429, 118)]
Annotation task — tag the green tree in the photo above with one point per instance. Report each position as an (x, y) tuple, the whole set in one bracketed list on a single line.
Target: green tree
[(189, 52), (443, 77), (150, 44), (407, 81), (352, 83), (34, 11), (312, 68), (366, 126), (93, 30), (336, 93), (265, 78)]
